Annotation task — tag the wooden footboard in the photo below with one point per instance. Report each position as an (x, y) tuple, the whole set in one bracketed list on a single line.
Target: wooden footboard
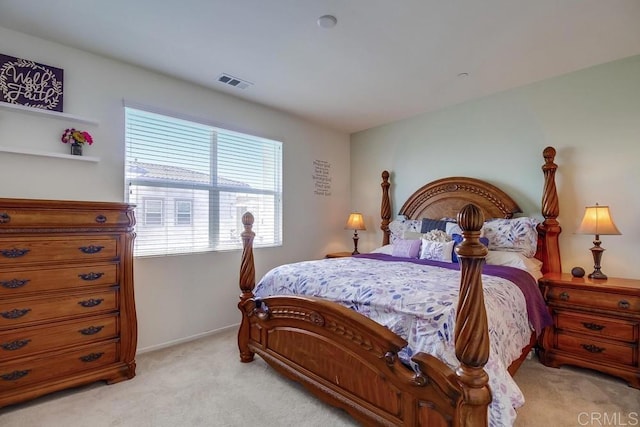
[(351, 361)]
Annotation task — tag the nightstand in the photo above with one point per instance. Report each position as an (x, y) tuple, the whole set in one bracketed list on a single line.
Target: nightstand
[(596, 325), (338, 255)]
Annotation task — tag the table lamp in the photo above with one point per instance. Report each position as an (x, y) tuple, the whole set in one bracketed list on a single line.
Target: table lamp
[(355, 223), (597, 220)]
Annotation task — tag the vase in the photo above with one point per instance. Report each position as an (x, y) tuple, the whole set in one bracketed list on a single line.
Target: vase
[(76, 149)]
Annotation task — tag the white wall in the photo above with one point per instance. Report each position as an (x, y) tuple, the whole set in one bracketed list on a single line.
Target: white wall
[(181, 296), (592, 118)]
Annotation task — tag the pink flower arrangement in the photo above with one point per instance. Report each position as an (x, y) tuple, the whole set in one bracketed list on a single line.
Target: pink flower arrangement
[(76, 137)]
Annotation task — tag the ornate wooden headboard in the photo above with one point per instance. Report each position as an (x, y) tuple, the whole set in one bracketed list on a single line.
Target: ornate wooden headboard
[(445, 197)]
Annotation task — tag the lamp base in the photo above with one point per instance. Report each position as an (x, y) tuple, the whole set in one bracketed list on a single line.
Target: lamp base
[(597, 274)]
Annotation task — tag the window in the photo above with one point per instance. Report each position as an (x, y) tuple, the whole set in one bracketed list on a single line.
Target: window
[(191, 183), (183, 212), (153, 211)]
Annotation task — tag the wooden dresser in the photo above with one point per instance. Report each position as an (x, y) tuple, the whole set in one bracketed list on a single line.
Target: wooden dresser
[(67, 311), (596, 325)]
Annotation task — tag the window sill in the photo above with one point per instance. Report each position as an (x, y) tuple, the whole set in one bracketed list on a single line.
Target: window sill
[(47, 154)]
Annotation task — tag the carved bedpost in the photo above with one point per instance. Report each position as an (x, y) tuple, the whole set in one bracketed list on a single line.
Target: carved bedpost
[(385, 209), (550, 228), (471, 331), (247, 284)]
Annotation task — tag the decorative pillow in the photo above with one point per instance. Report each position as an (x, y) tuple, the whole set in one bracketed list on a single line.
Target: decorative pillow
[(398, 226), (512, 235), (437, 251), (406, 248), (515, 259), (457, 239), (433, 224), (412, 235), (436, 236)]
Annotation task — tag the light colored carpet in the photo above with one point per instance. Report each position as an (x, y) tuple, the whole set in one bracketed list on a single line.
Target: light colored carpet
[(202, 383)]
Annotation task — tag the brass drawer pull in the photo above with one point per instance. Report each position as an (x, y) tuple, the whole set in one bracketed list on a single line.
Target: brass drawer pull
[(101, 219), (14, 253), (593, 326), (15, 375), (4, 218), (624, 304), (90, 276), (91, 302), (14, 345), (91, 249), (14, 283), (91, 330), (15, 313), (91, 357), (564, 296), (592, 348)]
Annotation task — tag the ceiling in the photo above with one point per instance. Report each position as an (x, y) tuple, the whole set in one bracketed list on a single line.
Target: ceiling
[(385, 60)]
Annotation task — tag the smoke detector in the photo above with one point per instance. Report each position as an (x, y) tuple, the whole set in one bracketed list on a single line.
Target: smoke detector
[(233, 81)]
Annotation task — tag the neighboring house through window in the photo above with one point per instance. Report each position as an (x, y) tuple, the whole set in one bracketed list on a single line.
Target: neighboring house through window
[(191, 184)]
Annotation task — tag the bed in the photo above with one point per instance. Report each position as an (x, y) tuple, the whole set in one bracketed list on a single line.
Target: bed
[(355, 363)]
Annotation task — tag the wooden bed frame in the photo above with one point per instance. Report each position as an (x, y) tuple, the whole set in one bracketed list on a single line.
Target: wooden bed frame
[(351, 362)]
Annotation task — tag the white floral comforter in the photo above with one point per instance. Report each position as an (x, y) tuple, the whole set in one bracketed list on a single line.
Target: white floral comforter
[(418, 302)]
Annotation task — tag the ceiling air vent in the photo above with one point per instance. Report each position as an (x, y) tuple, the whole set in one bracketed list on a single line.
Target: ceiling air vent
[(233, 81)]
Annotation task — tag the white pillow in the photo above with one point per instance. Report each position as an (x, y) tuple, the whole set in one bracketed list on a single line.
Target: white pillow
[(386, 249), (516, 259), (436, 251)]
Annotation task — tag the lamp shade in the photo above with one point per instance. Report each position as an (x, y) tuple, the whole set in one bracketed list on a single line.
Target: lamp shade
[(597, 220), (355, 222)]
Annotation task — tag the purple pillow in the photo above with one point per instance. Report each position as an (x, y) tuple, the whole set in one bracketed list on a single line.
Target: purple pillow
[(458, 239), (406, 248)]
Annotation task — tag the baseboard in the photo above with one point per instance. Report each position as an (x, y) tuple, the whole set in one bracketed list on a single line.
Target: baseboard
[(186, 339)]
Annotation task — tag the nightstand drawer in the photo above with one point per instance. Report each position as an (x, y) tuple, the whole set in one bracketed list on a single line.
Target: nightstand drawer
[(605, 327), (594, 299), (596, 350)]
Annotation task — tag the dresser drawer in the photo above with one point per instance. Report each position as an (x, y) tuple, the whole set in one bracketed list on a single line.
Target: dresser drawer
[(32, 370), (60, 218), (18, 281), (597, 325), (19, 311), (597, 350), (27, 341), (629, 304), (77, 248)]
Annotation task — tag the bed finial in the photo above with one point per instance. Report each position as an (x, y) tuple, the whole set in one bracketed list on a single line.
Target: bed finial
[(385, 209), (471, 331), (247, 284), (550, 228)]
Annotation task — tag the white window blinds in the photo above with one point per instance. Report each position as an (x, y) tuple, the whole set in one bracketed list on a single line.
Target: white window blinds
[(191, 184)]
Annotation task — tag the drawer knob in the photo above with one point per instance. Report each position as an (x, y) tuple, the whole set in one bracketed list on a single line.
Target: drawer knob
[(91, 249), (90, 276), (91, 302), (14, 345), (592, 348), (624, 304), (15, 313), (15, 375), (593, 326), (4, 218), (14, 283), (14, 253), (91, 330), (564, 296), (91, 357), (101, 219)]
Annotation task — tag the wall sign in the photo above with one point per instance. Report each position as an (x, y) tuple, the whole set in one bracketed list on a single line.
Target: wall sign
[(321, 178), (31, 84)]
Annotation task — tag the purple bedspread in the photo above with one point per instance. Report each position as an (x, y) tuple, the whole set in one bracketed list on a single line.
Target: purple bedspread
[(537, 311)]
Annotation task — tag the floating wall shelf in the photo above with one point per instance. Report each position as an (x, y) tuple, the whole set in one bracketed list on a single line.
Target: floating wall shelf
[(47, 154), (47, 113)]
